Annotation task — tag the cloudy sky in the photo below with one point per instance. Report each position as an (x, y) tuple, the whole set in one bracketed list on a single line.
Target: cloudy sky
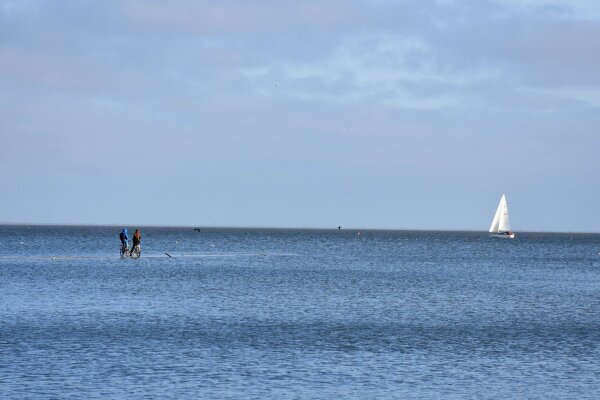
[(372, 114)]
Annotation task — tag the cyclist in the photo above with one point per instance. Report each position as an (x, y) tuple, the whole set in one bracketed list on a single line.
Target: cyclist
[(124, 238), (137, 240)]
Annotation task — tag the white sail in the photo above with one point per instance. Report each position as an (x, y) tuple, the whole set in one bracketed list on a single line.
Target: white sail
[(501, 222), (496, 220), (504, 224)]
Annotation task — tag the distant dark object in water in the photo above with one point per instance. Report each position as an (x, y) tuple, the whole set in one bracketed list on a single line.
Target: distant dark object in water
[(197, 229), (339, 227), (168, 254)]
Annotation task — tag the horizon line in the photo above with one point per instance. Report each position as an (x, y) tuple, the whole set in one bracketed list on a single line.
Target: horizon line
[(351, 228)]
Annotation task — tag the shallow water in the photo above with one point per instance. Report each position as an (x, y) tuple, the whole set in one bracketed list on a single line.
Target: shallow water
[(259, 313)]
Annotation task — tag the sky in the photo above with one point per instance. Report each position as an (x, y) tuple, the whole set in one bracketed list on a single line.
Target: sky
[(407, 114)]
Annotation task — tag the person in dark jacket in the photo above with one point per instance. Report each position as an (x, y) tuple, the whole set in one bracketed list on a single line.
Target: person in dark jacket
[(137, 240), (124, 238)]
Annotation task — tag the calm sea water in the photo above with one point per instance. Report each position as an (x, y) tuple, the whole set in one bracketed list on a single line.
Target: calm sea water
[(293, 314)]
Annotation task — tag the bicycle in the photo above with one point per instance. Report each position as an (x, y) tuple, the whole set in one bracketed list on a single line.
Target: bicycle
[(136, 252), (124, 250)]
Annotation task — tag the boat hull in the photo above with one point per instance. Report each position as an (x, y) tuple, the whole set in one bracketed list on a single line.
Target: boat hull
[(502, 235)]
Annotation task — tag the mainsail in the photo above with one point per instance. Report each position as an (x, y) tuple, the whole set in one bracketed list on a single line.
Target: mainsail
[(501, 223)]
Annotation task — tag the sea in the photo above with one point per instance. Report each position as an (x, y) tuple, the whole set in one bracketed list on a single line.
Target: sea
[(219, 313)]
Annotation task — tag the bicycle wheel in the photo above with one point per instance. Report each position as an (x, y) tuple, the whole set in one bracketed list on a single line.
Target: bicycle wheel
[(137, 251)]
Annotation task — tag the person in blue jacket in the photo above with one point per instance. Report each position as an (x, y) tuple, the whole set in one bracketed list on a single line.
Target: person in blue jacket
[(124, 238)]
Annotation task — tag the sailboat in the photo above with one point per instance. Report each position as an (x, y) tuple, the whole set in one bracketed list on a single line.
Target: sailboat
[(500, 227)]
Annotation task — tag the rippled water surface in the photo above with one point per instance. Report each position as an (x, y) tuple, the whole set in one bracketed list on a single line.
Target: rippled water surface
[(286, 314)]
